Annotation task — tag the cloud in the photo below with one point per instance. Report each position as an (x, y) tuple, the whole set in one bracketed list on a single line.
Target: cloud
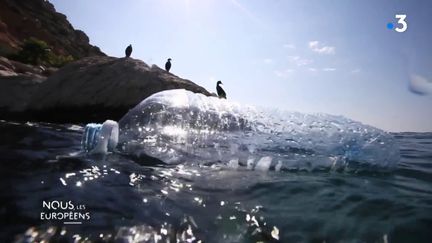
[(420, 85), (311, 69), (268, 60), (357, 70), (329, 69), (318, 47), (283, 73), (289, 46), (299, 61)]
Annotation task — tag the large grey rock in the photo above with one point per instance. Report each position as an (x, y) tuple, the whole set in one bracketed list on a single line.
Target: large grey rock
[(16, 90), (18, 83), (91, 89), (108, 82)]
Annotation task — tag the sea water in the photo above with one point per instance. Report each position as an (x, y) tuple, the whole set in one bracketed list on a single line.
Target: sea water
[(234, 174)]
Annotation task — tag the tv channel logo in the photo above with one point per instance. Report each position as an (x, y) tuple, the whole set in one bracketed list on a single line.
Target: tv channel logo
[(401, 26)]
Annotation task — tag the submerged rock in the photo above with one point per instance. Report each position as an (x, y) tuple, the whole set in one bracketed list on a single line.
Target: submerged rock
[(91, 89)]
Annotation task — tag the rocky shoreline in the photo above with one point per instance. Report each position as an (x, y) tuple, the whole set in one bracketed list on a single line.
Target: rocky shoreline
[(89, 86), (90, 89)]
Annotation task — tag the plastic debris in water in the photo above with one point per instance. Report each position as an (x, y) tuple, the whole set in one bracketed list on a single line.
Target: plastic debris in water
[(179, 126), (275, 233), (420, 85)]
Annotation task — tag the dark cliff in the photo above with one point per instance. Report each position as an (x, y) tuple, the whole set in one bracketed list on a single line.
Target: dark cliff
[(24, 19)]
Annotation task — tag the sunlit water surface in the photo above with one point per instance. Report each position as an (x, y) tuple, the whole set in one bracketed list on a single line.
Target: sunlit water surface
[(334, 180)]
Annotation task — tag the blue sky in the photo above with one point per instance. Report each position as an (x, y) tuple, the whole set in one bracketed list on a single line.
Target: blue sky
[(334, 57)]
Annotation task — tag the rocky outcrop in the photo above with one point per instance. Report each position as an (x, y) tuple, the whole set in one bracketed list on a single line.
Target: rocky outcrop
[(13, 68), (91, 89), (18, 82), (23, 19), (94, 88)]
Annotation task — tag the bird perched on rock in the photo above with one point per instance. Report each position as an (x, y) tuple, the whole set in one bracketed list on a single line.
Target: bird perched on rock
[(221, 93), (168, 65), (128, 51)]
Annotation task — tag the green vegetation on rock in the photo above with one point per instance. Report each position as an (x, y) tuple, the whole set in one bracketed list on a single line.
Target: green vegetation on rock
[(38, 52)]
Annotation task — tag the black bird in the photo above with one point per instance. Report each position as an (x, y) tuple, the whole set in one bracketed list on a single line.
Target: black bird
[(128, 51), (220, 91), (168, 65)]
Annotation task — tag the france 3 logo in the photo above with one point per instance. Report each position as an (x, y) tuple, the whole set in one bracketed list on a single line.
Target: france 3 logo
[(402, 25)]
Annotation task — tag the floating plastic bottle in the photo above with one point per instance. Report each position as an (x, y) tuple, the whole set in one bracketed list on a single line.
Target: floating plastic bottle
[(100, 138), (178, 126)]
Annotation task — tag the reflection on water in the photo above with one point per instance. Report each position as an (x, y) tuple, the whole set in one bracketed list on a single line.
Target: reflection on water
[(130, 201), (237, 221)]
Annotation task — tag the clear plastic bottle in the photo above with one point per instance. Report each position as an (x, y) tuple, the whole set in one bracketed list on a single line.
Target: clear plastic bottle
[(179, 126)]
